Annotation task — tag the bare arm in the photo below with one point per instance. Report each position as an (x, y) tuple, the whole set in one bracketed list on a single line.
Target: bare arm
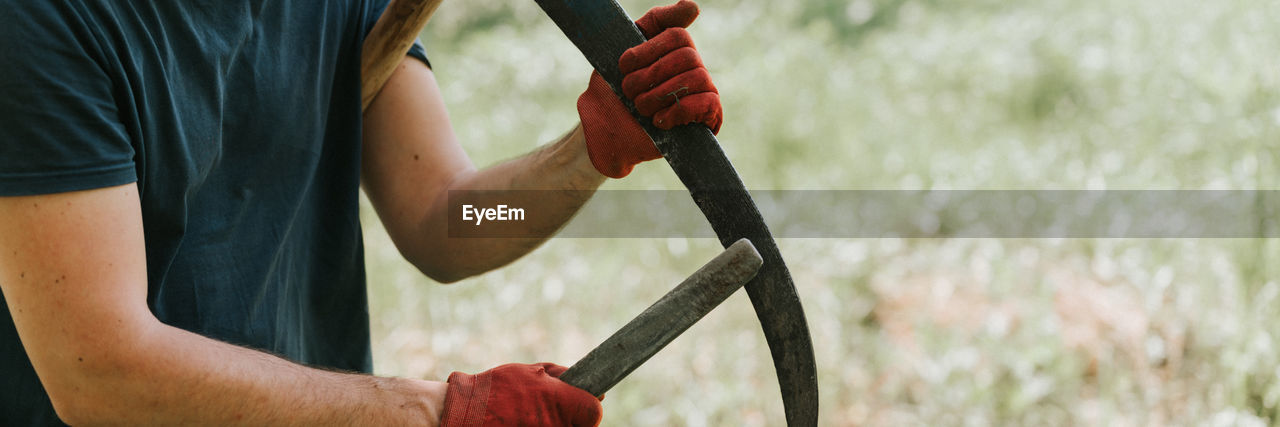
[(412, 158), (72, 269)]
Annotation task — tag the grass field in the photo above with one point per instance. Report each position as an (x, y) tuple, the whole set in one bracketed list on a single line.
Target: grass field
[(894, 94)]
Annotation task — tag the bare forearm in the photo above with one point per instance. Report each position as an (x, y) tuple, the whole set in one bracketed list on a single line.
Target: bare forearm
[(411, 159), (176, 377), (74, 279), (557, 178)]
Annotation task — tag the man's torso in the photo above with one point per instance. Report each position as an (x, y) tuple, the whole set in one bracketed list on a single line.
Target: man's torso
[(239, 119)]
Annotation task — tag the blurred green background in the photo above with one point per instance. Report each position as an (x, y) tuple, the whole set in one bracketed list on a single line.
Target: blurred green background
[(896, 94)]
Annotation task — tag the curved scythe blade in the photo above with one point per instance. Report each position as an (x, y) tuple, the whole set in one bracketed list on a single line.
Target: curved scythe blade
[(602, 31)]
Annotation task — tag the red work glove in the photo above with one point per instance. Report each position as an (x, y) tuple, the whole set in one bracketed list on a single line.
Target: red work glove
[(518, 395), (665, 78)]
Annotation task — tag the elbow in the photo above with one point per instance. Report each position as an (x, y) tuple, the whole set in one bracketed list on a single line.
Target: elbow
[(87, 401), (443, 272), (93, 408), (98, 396), (79, 404), (453, 267), (445, 267), (447, 278), (71, 412), (431, 262), (105, 386)]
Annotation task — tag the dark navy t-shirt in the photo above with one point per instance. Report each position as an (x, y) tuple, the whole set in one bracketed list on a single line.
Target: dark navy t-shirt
[(239, 120)]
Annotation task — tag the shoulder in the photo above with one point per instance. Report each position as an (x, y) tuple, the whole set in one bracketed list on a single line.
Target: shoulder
[(47, 16), (35, 32), (48, 46), (59, 127)]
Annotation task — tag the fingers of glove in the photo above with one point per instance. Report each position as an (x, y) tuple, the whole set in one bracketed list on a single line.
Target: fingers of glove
[(672, 91), (697, 108), (553, 370), (666, 68), (518, 394), (660, 18), (581, 411), (574, 405), (650, 51), (556, 371)]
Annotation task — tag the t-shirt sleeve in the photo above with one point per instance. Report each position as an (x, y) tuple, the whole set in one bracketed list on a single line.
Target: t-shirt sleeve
[(59, 125), (417, 51), (373, 11)]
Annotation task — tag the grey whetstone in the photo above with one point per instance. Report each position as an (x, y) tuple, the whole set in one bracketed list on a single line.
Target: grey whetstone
[(665, 320)]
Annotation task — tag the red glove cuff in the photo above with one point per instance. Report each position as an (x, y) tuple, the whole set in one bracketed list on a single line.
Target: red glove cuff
[(466, 400), (614, 147)]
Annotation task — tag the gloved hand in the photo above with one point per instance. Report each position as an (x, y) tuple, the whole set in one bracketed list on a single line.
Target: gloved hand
[(665, 78), (518, 395)]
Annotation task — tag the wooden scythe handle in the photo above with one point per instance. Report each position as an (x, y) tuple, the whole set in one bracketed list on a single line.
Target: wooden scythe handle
[(388, 41)]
